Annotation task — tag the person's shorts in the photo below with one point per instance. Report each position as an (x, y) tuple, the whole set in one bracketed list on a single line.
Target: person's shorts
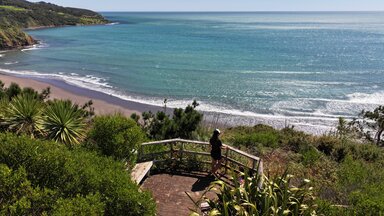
[(216, 155)]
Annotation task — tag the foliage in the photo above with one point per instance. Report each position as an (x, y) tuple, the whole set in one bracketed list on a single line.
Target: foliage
[(17, 14), (14, 90), (24, 115), (259, 195), (26, 111), (64, 122), (12, 8), (89, 205), (363, 184), (117, 136), (66, 179), (346, 174), (46, 14), (19, 197), (182, 124), (370, 125)]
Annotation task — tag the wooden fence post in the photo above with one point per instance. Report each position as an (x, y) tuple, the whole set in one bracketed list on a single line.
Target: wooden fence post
[(171, 149), (139, 154), (254, 165), (226, 160), (182, 151)]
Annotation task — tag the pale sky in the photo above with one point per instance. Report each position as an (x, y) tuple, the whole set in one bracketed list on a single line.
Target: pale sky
[(224, 5)]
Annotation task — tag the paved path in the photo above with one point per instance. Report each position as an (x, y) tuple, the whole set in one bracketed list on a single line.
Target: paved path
[(169, 192)]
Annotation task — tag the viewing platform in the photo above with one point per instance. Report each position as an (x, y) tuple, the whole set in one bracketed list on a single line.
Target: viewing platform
[(182, 166)]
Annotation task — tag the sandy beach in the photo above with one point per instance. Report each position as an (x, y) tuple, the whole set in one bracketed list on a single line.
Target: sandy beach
[(103, 103)]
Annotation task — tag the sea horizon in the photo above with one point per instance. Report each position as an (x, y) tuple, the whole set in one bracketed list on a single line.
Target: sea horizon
[(278, 68)]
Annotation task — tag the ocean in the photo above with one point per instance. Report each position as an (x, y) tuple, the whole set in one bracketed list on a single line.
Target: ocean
[(304, 69)]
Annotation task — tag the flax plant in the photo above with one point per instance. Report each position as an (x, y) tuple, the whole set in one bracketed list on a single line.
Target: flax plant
[(23, 115), (275, 196), (64, 122)]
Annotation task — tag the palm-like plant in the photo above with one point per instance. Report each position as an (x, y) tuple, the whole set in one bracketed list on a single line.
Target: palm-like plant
[(23, 114), (64, 122)]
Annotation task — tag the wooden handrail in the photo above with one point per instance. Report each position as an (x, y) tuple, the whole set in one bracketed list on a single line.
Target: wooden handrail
[(256, 164)]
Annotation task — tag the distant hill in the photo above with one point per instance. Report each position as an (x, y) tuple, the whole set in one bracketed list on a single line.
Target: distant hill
[(18, 14)]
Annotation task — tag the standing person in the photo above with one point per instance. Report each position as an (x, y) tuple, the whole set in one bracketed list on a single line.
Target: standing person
[(216, 146)]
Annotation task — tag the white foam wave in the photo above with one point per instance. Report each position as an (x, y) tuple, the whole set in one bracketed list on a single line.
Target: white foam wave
[(114, 23), (89, 82), (281, 72), (35, 47), (365, 98), (304, 112), (11, 63), (1, 55)]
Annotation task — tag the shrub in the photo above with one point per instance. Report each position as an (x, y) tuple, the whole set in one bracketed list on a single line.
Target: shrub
[(269, 197), (362, 184), (249, 137), (310, 155), (182, 124), (295, 140), (328, 144), (371, 125), (116, 136), (76, 175), (18, 197), (89, 205)]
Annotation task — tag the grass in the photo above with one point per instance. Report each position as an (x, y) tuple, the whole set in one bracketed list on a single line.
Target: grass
[(12, 8), (90, 20)]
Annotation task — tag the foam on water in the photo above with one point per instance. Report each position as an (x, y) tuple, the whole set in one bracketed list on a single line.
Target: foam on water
[(89, 82), (246, 68), (282, 72), (113, 23), (11, 63), (376, 98), (228, 115), (35, 47)]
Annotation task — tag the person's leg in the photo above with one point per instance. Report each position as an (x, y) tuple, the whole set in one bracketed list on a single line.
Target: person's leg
[(213, 165), (218, 164)]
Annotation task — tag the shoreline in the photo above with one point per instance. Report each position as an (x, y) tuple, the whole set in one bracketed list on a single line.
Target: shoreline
[(103, 103)]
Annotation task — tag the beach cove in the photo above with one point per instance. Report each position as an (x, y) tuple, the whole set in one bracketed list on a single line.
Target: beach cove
[(280, 69)]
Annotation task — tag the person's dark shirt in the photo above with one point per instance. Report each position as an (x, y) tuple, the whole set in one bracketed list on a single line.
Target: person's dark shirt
[(215, 144)]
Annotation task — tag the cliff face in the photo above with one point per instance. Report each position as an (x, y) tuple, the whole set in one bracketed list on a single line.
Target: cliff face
[(11, 38), (18, 14)]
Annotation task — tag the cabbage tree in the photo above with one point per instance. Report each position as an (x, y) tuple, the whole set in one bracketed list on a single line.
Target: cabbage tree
[(64, 122)]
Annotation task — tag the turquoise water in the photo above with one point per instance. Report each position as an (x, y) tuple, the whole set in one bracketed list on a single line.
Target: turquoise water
[(304, 69)]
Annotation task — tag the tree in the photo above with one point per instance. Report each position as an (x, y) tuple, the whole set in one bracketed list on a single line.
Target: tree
[(64, 122), (13, 90), (370, 124), (24, 115), (181, 125)]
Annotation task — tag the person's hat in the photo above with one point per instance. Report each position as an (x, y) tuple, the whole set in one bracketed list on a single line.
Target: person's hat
[(217, 131)]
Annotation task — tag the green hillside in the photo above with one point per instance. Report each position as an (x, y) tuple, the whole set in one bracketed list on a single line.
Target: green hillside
[(18, 14)]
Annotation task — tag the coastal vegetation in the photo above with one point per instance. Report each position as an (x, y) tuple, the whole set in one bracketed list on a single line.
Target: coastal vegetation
[(46, 167), (276, 196), (56, 157), (16, 15)]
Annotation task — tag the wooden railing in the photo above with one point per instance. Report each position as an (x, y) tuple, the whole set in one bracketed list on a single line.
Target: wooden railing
[(178, 149)]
